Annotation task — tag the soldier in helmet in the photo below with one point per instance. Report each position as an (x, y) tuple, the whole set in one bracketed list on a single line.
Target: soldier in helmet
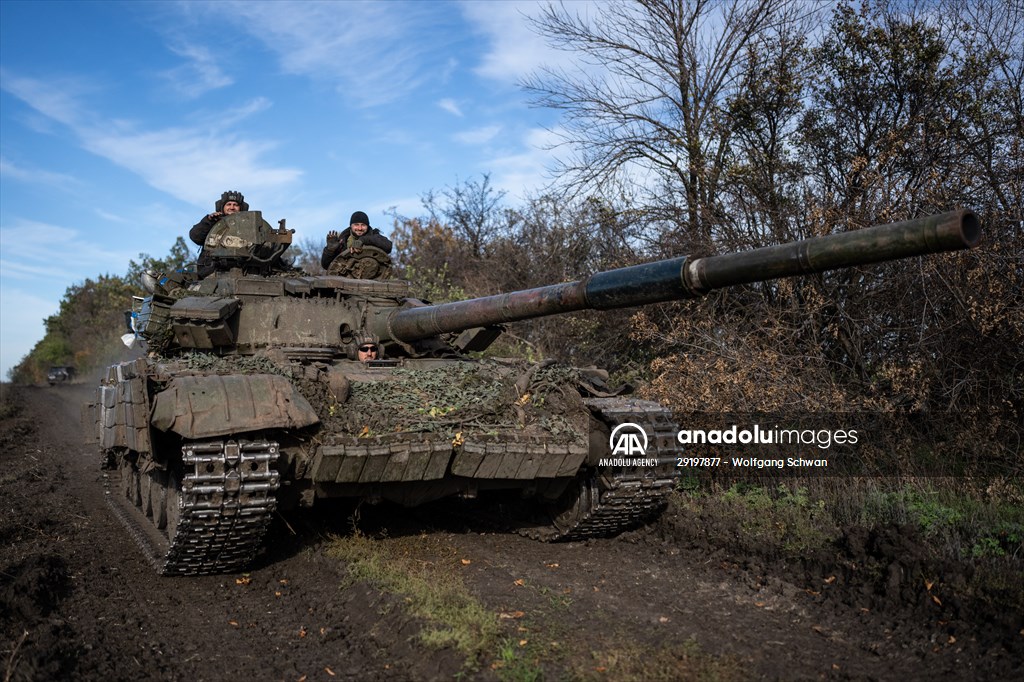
[(367, 347), (352, 243), (230, 202)]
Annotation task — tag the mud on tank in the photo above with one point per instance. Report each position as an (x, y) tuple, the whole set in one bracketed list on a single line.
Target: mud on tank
[(251, 397)]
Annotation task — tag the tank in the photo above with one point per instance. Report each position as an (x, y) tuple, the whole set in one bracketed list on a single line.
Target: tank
[(252, 397)]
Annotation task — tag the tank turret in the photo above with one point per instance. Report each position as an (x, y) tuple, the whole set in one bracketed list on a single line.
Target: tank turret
[(255, 395)]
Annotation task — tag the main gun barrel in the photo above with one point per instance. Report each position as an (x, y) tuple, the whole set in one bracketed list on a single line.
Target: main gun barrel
[(687, 277)]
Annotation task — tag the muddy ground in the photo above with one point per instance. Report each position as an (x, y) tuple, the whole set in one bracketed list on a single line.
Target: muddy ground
[(78, 600)]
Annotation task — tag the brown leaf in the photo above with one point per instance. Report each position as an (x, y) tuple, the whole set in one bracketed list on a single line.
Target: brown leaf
[(466, 562), (936, 600), (511, 614), (233, 622), (302, 631), (928, 585), (829, 580), (244, 580), (520, 582)]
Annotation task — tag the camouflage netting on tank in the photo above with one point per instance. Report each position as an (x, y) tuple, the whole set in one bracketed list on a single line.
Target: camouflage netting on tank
[(469, 397), (486, 397), (242, 364)]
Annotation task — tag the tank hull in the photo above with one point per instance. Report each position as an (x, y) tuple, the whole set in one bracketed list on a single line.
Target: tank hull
[(199, 462)]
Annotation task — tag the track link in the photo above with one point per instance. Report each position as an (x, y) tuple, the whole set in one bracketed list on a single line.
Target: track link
[(604, 501), (211, 519)]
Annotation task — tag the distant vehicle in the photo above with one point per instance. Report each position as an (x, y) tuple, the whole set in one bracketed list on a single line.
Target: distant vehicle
[(60, 375)]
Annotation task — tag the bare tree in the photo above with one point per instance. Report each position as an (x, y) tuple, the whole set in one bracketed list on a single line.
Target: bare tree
[(649, 97), (470, 209)]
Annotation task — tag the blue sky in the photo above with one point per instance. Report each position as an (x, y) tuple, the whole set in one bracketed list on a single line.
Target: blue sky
[(122, 122)]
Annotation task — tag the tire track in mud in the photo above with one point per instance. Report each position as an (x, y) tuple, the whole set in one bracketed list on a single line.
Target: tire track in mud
[(95, 610), (284, 619)]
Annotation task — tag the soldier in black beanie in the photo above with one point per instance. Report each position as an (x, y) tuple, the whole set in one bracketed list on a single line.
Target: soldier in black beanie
[(357, 235)]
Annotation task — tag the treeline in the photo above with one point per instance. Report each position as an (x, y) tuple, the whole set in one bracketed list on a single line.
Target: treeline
[(85, 332), (707, 128), (702, 137)]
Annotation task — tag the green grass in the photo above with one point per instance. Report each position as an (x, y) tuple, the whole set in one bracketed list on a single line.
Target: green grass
[(434, 593), (960, 520), (785, 518), (518, 661)]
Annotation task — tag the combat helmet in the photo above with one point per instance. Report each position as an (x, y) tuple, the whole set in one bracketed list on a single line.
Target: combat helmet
[(231, 195)]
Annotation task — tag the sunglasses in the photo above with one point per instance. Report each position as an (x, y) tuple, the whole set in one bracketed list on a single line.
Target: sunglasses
[(368, 349)]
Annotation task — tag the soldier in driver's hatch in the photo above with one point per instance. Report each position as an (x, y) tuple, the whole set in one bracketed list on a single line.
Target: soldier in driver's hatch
[(357, 235), (230, 202)]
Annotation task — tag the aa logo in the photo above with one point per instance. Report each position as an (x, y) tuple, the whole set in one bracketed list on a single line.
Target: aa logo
[(628, 440)]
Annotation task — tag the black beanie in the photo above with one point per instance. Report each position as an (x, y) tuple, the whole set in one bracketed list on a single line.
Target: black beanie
[(359, 217)]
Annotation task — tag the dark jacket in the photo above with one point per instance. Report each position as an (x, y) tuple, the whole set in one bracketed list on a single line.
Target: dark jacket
[(198, 235), (373, 237)]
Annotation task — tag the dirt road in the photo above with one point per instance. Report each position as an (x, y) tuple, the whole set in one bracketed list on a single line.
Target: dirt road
[(78, 600)]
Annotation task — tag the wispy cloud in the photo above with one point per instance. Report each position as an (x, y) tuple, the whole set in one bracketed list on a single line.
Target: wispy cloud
[(478, 136), (199, 75), (184, 162), (373, 52), (527, 169), (34, 249), (36, 176), (56, 97), (516, 49), (187, 163), (450, 106)]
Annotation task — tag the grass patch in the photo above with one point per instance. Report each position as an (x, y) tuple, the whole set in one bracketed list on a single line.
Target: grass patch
[(684, 662), (9, 407), (519, 660), (961, 521), (784, 519), (431, 592), (958, 519)]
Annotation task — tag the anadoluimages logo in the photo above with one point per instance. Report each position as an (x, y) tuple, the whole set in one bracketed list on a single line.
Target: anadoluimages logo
[(628, 440)]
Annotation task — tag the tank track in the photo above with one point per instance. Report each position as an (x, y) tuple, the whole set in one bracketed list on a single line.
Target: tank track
[(608, 500), (214, 520)]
